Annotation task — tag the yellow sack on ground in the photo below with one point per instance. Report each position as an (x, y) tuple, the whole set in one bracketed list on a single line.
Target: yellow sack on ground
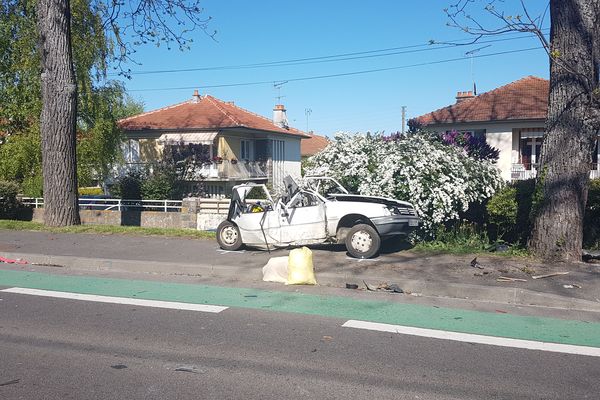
[(300, 267)]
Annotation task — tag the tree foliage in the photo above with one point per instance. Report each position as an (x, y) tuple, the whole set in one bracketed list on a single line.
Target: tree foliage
[(100, 103)]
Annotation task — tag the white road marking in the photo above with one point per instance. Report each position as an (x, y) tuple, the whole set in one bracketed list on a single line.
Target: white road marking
[(118, 300), (473, 338)]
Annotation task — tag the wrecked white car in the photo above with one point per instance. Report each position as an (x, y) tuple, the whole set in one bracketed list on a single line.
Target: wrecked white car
[(319, 211)]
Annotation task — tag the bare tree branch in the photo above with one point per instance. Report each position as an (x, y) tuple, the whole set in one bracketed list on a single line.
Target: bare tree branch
[(140, 22)]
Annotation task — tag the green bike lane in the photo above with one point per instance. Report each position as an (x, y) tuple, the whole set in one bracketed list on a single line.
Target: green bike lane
[(540, 329)]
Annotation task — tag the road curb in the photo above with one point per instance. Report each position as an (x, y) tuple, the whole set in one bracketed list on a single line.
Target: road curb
[(507, 295)]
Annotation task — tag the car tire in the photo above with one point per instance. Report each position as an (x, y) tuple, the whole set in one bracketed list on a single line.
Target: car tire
[(363, 241), (228, 236)]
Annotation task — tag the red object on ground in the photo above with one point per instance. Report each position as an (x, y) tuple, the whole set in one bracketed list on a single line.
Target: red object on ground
[(11, 261)]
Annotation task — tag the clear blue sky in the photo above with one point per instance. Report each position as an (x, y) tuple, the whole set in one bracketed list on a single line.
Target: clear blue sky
[(251, 32)]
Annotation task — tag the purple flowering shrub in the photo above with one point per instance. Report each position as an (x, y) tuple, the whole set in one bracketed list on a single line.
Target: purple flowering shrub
[(475, 146)]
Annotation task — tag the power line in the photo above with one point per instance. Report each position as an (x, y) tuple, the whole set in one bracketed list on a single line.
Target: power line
[(336, 75), (329, 58)]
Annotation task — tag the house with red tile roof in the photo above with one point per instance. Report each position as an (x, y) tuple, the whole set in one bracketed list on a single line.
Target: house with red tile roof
[(512, 119), (231, 144), (313, 145)]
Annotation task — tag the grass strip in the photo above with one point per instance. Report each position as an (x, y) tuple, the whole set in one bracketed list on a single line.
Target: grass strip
[(106, 230)]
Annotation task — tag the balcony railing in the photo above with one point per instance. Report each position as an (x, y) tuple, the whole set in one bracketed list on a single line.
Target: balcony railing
[(225, 169), (521, 172), (595, 172), (244, 169)]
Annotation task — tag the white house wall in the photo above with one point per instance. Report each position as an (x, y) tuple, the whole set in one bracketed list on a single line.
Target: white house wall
[(501, 135), (292, 157)]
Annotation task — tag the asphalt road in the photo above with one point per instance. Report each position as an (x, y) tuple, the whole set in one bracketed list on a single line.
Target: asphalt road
[(67, 349)]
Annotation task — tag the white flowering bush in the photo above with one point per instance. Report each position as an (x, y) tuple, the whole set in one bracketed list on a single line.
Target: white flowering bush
[(441, 181)]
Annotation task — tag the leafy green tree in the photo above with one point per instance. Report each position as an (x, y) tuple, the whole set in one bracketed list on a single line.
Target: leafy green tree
[(100, 104), (72, 43)]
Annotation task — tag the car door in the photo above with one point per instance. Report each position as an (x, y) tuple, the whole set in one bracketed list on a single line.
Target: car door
[(302, 219), (258, 219)]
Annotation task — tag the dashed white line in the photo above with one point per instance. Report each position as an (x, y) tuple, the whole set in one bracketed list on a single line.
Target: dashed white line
[(118, 300), (473, 338)]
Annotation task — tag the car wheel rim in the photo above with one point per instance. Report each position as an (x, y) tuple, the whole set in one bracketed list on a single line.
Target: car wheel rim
[(361, 241), (229, 235)]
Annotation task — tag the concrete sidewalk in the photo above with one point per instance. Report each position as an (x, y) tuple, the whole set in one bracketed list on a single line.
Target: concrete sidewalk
[(440, 276)]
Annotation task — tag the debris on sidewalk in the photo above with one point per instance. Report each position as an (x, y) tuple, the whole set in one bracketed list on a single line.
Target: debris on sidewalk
[(549, 275), (295, 269), (475, 264), (392, 288), (276, 270), (509, 279), (482, 273), (300, 267), (47, 265), (14, 381), (589, 256), (12, 261), (187, 368), (572, 286)]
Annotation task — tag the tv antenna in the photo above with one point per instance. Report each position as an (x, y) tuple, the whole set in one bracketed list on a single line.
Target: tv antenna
[(470, 54), (307, 112), (277, 86)]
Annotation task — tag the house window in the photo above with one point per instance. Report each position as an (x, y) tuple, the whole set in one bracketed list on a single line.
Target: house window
[(246, 149), (131, 151), (530, 149)]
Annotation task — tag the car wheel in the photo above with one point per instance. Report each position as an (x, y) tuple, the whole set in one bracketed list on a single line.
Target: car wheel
[(228, 236), (363, 241)]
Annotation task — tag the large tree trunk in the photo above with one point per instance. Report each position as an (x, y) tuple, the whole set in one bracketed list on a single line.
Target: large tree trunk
[(563, 179), (59, 113)]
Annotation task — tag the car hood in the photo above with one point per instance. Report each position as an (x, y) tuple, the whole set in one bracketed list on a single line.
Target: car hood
[(370, 199)]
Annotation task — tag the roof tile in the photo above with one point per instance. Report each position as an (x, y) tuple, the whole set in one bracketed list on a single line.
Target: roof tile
[(312, 146), (524, 99), (206, 113)]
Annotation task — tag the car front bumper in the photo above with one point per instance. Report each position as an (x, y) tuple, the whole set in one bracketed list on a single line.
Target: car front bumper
[(395, 224)]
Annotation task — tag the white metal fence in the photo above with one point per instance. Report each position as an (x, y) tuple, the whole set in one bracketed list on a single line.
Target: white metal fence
[(205, 206), (213, 206), (115, 204)]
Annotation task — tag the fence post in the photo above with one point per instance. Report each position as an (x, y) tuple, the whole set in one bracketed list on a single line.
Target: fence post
[(189, 213)]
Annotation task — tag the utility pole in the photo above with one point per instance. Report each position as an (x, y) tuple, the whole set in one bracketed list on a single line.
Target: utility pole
[(307, 112), (403, 119)]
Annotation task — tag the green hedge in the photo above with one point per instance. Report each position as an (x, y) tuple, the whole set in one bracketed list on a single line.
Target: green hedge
[(509, 214), (90, 191), (9, 205)]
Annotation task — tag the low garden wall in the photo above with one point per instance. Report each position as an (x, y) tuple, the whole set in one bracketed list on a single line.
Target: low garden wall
[(200, 214)]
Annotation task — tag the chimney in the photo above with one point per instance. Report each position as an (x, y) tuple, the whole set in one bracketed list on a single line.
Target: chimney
[(462, 96), (279, 116), (195, 96)]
